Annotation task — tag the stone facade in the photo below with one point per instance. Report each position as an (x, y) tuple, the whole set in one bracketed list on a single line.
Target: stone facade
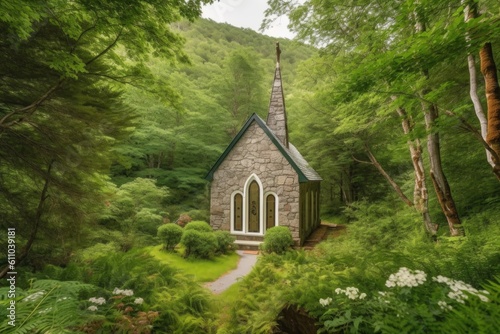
[(256, 154)]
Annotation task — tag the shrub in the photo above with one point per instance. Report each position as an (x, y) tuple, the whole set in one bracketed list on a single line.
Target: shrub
[(198, 226), (170, 234), (277, 240), (183, 220), (225, 242), (199, 244)]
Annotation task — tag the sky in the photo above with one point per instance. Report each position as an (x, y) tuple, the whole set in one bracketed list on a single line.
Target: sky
[(245, 14)]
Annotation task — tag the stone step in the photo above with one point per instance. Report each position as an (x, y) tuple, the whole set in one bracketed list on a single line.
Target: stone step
[(248, 244)]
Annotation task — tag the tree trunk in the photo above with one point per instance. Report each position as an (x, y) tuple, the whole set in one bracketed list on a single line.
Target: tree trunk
[(438, 177), (441, 185), (36, 223), (471, 12), (489, 70), (389, 179), (420, 194)]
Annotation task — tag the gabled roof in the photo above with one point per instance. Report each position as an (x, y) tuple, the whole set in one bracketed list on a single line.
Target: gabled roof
[(292, 155)]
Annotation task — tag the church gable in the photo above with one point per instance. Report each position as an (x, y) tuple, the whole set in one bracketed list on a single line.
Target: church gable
[(291, 154), (254, 177)]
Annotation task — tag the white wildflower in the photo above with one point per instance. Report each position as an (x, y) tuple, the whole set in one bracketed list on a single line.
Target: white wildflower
[(444, 306), (351, 292), (98, 301), (458, 288), (483, 298), (127, 292), (138, 301), (362, 296), (117, 291), (406, 277), (325, 302), (92, 308), (390, 284), (339, 290)]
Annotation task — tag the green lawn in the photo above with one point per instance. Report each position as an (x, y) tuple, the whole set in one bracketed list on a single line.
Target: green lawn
[(201, 270)]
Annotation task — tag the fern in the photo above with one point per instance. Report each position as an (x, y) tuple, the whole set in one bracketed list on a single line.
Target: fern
[(49, 306)]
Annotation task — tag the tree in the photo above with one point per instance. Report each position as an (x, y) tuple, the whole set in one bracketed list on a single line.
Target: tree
[(241, 90), (60, 106), (489, 70), (397, 48)]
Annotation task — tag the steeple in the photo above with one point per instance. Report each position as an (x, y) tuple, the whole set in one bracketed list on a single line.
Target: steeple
[(276, 118)]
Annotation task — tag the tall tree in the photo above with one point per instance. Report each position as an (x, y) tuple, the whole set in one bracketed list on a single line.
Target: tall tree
[(60, 105), (489, 70)]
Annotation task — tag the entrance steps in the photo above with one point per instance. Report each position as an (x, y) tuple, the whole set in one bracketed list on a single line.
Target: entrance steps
[(245, 242)]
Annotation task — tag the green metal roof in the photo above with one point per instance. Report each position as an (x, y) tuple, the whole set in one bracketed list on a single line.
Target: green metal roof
[(292, 155)]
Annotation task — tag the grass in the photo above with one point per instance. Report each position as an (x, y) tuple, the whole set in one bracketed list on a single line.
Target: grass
[(200, 270)]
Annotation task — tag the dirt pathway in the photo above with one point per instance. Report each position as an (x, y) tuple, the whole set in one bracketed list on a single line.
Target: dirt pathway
[(245, 265)]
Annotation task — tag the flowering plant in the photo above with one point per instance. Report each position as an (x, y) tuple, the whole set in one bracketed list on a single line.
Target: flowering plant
[(409, 303), (124, 312)]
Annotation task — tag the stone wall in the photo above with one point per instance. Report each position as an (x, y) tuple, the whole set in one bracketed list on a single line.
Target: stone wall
[(255, 154)]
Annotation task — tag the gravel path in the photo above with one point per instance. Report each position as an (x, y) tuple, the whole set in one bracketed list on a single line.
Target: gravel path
[(245, 265)]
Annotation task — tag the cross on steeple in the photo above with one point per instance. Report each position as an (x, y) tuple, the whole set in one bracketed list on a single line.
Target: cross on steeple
[(278, 53)]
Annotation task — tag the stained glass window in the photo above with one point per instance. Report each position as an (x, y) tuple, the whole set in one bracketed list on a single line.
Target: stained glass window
[(253, 207), (238, 216), (270, 211)]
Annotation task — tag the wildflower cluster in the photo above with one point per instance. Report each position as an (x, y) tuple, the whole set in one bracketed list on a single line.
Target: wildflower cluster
[(325, 302), (458, 289), (406, 277), (351, 292), (444, 306), (98, 301), (138, 301), (117, 291)]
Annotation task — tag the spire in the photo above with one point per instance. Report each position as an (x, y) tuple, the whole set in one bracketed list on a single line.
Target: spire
[(276, 118)]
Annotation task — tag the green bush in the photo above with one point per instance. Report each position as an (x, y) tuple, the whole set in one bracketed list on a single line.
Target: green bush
[(277, 240), (199, 244), (200, 226), (170, 234), (225, 242)]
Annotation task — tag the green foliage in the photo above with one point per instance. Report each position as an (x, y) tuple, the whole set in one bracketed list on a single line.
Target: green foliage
[(225, 242), (411, 302), (64, 66), (170, 234), (137, 206), (169, 297), (200, 226), (277, 240), (46, 306), (199, 244)]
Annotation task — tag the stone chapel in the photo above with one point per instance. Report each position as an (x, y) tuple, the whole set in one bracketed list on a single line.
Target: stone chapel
[(261, 180)]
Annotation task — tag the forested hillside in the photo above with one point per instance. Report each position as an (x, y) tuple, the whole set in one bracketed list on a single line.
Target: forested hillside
[(111, 117)]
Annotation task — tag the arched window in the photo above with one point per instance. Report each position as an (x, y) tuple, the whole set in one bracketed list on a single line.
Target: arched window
[(253, 207), (238, 212), (270, 211)]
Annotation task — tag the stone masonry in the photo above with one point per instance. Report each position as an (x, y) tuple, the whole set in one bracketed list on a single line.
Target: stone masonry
[(255, 153), (276, 118)]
